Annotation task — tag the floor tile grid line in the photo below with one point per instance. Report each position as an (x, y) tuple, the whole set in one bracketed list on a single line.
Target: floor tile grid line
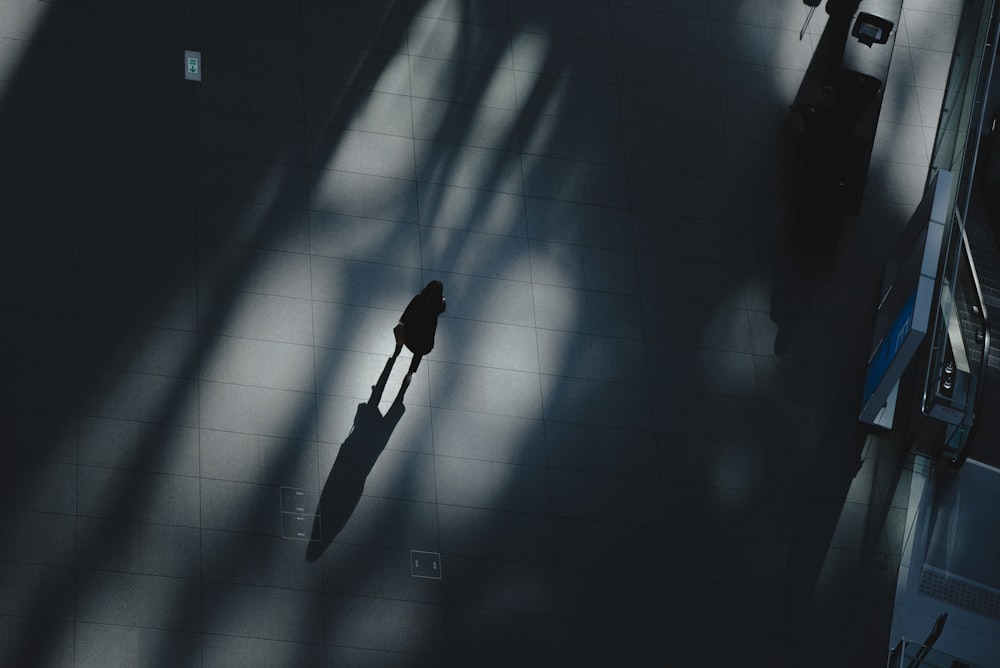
[(199, 361), (782, 590), (553, 467), (519, 114), (668, 566), (77, 547), (441, 616), (309, 237)]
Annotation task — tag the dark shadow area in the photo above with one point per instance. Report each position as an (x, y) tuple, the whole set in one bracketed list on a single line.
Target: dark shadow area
[(358, 454), (840, 530), (206, 202), (88, 183)]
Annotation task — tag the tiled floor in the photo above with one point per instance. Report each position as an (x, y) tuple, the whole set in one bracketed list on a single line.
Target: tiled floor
[(200, 282)]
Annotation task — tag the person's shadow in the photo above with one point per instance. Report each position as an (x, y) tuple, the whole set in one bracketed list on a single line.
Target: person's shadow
[(357, 456)]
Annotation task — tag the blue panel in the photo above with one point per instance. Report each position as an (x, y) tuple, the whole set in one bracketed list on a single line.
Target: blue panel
[(888, 347)]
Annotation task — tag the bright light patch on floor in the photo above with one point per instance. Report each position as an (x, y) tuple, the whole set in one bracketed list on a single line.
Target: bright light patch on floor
[(21, 21)]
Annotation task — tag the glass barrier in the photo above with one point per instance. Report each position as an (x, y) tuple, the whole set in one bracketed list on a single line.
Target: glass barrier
[(960, 335), (914, 655)]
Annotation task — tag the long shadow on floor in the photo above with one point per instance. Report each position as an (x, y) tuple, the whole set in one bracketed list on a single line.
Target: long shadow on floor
[(357, 457)]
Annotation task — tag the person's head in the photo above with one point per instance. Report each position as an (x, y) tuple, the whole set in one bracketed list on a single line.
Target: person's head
[(434, 291)]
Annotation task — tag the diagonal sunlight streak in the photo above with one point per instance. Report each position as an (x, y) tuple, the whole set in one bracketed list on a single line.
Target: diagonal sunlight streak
[(19, 23), (496, 177)]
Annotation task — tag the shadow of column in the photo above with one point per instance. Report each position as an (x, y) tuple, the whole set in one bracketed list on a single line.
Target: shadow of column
[(358, 454)]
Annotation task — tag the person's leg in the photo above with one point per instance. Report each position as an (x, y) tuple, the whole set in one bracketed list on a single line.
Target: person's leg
[(398, 332), (413, 367)]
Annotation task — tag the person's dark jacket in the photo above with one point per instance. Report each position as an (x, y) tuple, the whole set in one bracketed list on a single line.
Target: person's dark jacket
[(420, 323)]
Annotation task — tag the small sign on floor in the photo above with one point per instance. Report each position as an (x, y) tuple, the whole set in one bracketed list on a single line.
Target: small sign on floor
[(192, 65), (298, 520), (425, 564)]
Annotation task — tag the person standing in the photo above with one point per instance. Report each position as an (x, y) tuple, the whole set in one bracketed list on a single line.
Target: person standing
[(418, 324)]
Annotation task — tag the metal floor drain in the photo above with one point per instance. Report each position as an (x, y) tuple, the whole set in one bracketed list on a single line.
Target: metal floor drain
[(425, 564), (967, 594)]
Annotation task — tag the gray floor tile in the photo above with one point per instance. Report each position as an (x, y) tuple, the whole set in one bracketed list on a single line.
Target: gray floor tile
[(469, 167), (468, 124), (494, 438), (751, 612), (578, 447), (461, 82), (583, 267), (491, 485), (365, 195), (149, 549), (385, 571), (140, 600), (354, 656), (696, 325), (34, 436), (49, 488), (42, 538), (727, 464), (605, 498), (601, 547), (224, 650), (684, 369), (510, 302), (392, 523), (39, 245), (239, 178), (142, 497), (571, 139), (500, 585), (355, 238), (674, 153), (450, 40), (338, 64), (145, 446), (597, 404), (539, 52), (331, 107), (236, 506), (403, 475), (383, 624), (282, 366), (40, 290), (267, 272), (590, 643), (587, 312), (233, 609), (38, 590), (485, 635), (36, 336), (254, 316), (696, 646), (682, 195), (598, 596), (474, 254), (634, 442), (160, 351), (512, 536), (587, 182), (472, 210), (719, 510), (141, 397), (110, 645), (578, 223), (727, 560), (252, 458), (500, 346)]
